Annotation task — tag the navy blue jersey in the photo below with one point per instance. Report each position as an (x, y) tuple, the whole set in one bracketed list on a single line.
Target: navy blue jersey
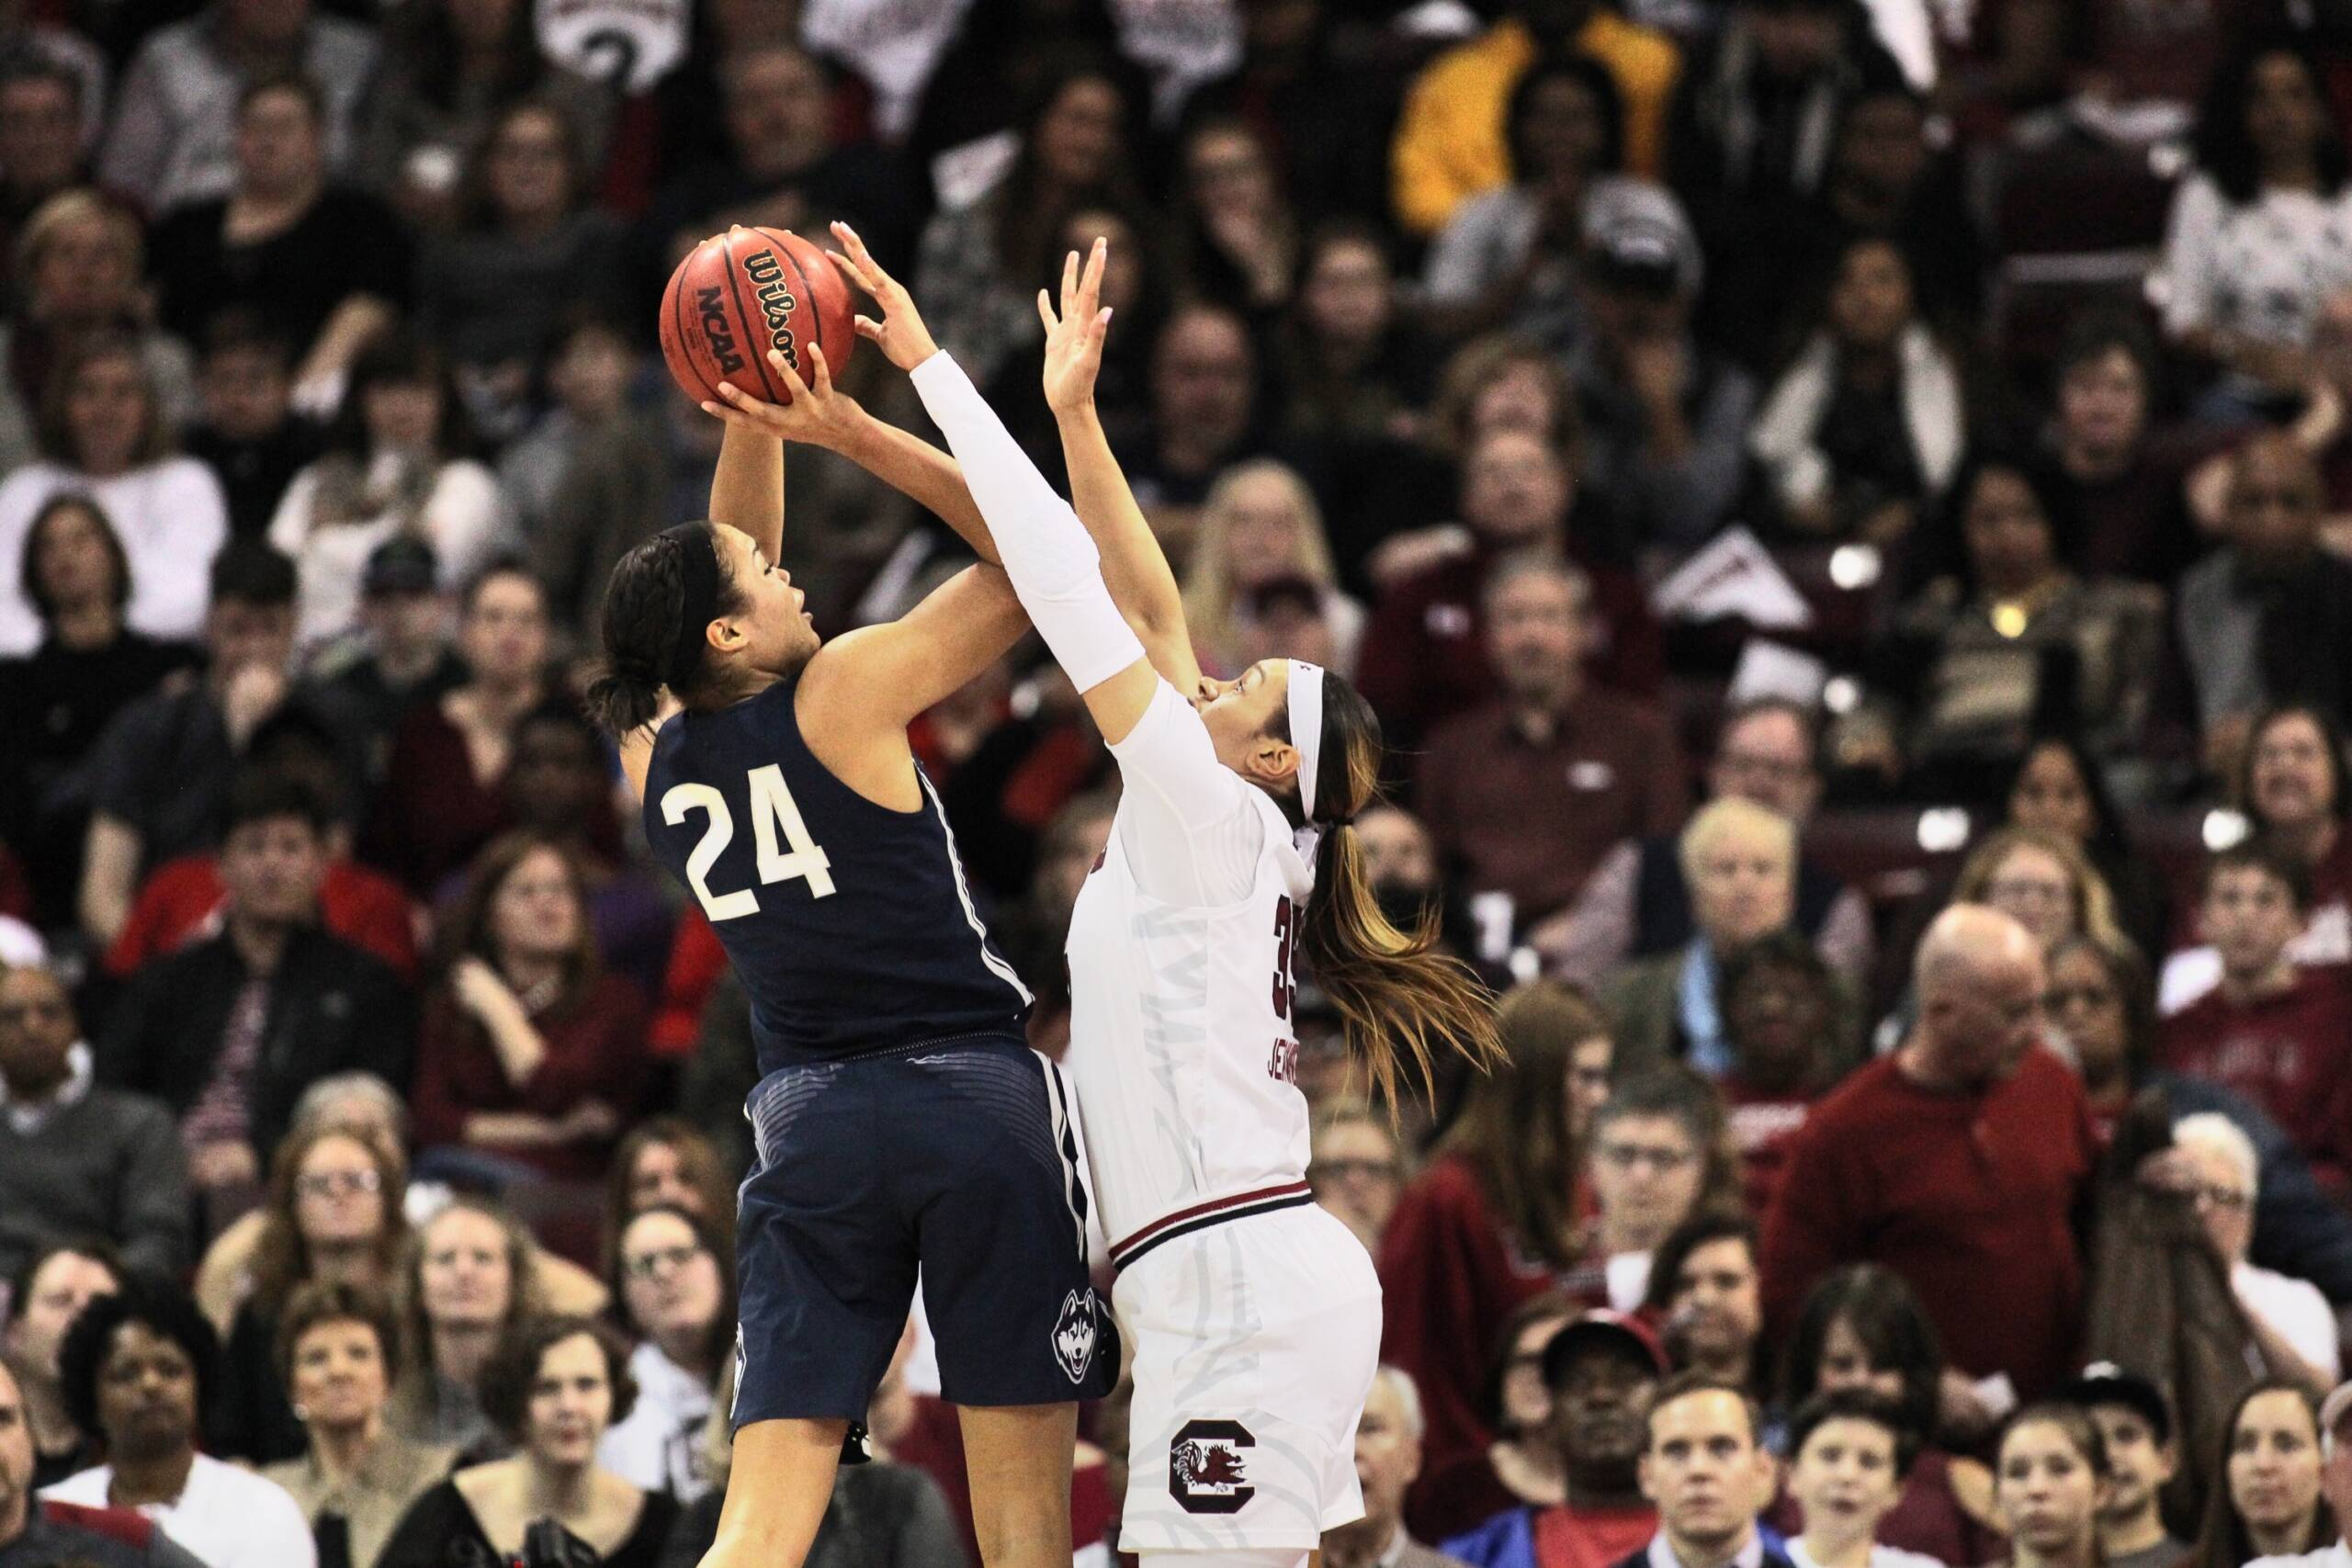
[(849, 923)]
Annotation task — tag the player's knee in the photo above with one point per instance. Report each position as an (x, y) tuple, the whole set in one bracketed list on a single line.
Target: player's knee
[(1023, 1528)]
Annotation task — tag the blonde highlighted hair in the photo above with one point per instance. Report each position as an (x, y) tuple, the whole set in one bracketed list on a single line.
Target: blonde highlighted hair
[(1209, 598), (2094, 905)]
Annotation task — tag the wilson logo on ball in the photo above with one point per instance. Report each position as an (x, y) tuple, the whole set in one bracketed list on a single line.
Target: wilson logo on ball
[(713, 311), (777, 302)]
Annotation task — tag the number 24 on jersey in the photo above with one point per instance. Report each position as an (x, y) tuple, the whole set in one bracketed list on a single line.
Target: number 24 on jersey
[(772, 806)]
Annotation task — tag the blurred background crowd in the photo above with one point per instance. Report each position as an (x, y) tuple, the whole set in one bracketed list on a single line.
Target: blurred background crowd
[(1843, 508)]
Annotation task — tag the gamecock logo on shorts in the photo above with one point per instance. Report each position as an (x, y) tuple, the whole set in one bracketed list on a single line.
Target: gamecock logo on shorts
[(1207, 1469), (1074, 1334)]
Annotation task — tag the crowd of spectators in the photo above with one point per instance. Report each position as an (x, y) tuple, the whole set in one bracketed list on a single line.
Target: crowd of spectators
[(1843, 509)]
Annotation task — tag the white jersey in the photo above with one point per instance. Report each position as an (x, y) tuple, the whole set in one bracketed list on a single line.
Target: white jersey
[(1182, 1045)]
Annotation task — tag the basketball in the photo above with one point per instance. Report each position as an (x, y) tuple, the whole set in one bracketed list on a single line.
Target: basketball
[(739, 294)]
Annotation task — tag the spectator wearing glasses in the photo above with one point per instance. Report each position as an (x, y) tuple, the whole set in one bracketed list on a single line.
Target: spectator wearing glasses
[(1522, 1465), (2291, 1321), (1659, 1153), (334, 1216), (1357, 1169), (673, 1275), (1636, 904)]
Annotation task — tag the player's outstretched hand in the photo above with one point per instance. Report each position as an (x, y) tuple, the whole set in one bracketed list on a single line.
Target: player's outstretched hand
[(1074, 335), (816, 415), (904, 340)]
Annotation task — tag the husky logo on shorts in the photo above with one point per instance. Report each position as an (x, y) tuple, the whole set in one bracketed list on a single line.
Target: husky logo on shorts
[(1207, 1467), (1074, 1334)]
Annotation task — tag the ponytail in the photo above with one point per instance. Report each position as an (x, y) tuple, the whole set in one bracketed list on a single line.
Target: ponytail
[(1398, 998), (645, 602)]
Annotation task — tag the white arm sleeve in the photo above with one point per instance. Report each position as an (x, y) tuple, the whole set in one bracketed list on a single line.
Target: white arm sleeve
[(1190, 828), (1052, 560)]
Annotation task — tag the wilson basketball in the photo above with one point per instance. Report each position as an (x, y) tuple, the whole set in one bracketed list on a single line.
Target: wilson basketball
[(739, 294)]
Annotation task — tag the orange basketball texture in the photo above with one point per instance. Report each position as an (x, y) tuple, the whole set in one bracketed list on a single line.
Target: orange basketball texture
[(740, 293)]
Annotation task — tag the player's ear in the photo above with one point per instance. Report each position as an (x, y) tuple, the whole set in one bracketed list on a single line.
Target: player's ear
[(1272, 762), (724, 635)]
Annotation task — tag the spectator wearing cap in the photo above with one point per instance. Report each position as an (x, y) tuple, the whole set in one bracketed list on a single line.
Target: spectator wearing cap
[(76, 1159), (1602, 1370), (162, 765), (2336, 1484), (1956, 1161), (1450, 144), (1388, 1458), (1425, 654), (1665, 419), (2266, 619), (2135, 1422), (1704, 1466), (229, 1032), (1754, 123), (173, 135), (1526, 794), (1506, 258), (2291, 1322), (404, 659), (1637, 902), (248, 432), (1865, 429), (136, 1367)]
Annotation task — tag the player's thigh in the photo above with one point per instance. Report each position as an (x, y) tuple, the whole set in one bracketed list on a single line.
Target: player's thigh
[(1000, 1220), (825, 1261)]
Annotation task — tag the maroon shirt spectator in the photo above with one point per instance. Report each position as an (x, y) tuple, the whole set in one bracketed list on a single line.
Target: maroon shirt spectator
[(2278, 1034), (442, 797), (2126, 493), (528, 1057), (1527, 795), (1955, 1162), (1424, 652)]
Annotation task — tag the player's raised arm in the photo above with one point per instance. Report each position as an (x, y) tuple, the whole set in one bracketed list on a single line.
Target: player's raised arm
[(747, 485), (820, 415), (1133, 563), (1053, 563)]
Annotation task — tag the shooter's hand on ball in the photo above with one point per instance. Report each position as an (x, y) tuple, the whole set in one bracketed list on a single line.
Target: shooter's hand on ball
[(815, 414), (1074, 337), (904, 340)]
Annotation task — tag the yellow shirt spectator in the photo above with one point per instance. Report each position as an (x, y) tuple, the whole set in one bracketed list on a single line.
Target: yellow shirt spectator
[(1450, 144)]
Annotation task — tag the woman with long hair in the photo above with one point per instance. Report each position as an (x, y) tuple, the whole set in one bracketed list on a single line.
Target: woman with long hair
[(663, 1161), (333, 1214), (1231, 856), (2043, 882), (530, 1057), (2050, 1481), (1260, 525), (1495, 1218), (1521, 1466), (2261, 231), (1862, 1329), (901, 1121), (2060, 788), (102, 434), (2102, 1009), (399, 461), (470, 1273), (2268, 1504)]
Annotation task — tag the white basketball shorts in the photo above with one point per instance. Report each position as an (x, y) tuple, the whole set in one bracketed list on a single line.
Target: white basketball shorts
[(1255, 1344)]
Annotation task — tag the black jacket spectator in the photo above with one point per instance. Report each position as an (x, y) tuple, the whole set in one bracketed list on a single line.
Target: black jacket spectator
[(332, 1008)]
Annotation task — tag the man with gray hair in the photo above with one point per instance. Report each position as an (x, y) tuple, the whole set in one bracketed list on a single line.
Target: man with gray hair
[(1956, 1161), (1388, 1460)]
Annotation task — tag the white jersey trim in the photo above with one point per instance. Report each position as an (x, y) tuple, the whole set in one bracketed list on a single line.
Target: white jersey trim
[(997, 966)]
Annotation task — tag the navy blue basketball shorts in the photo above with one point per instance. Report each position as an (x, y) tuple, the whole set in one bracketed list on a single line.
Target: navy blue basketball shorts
[(957, 1157)]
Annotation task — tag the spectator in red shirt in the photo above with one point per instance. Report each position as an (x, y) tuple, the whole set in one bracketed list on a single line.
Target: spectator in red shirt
[(1527, 793), (530, 1058), (1956, 1161), (1495, 1219), (1602, 1369), (1424, 656), (2271, 1031)]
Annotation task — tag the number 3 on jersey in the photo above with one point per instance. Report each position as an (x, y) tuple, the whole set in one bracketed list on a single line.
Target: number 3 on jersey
[(771, 804), (1285, 941)]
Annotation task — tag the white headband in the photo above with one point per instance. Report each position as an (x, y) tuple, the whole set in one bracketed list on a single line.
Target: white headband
[(1307, 730)]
